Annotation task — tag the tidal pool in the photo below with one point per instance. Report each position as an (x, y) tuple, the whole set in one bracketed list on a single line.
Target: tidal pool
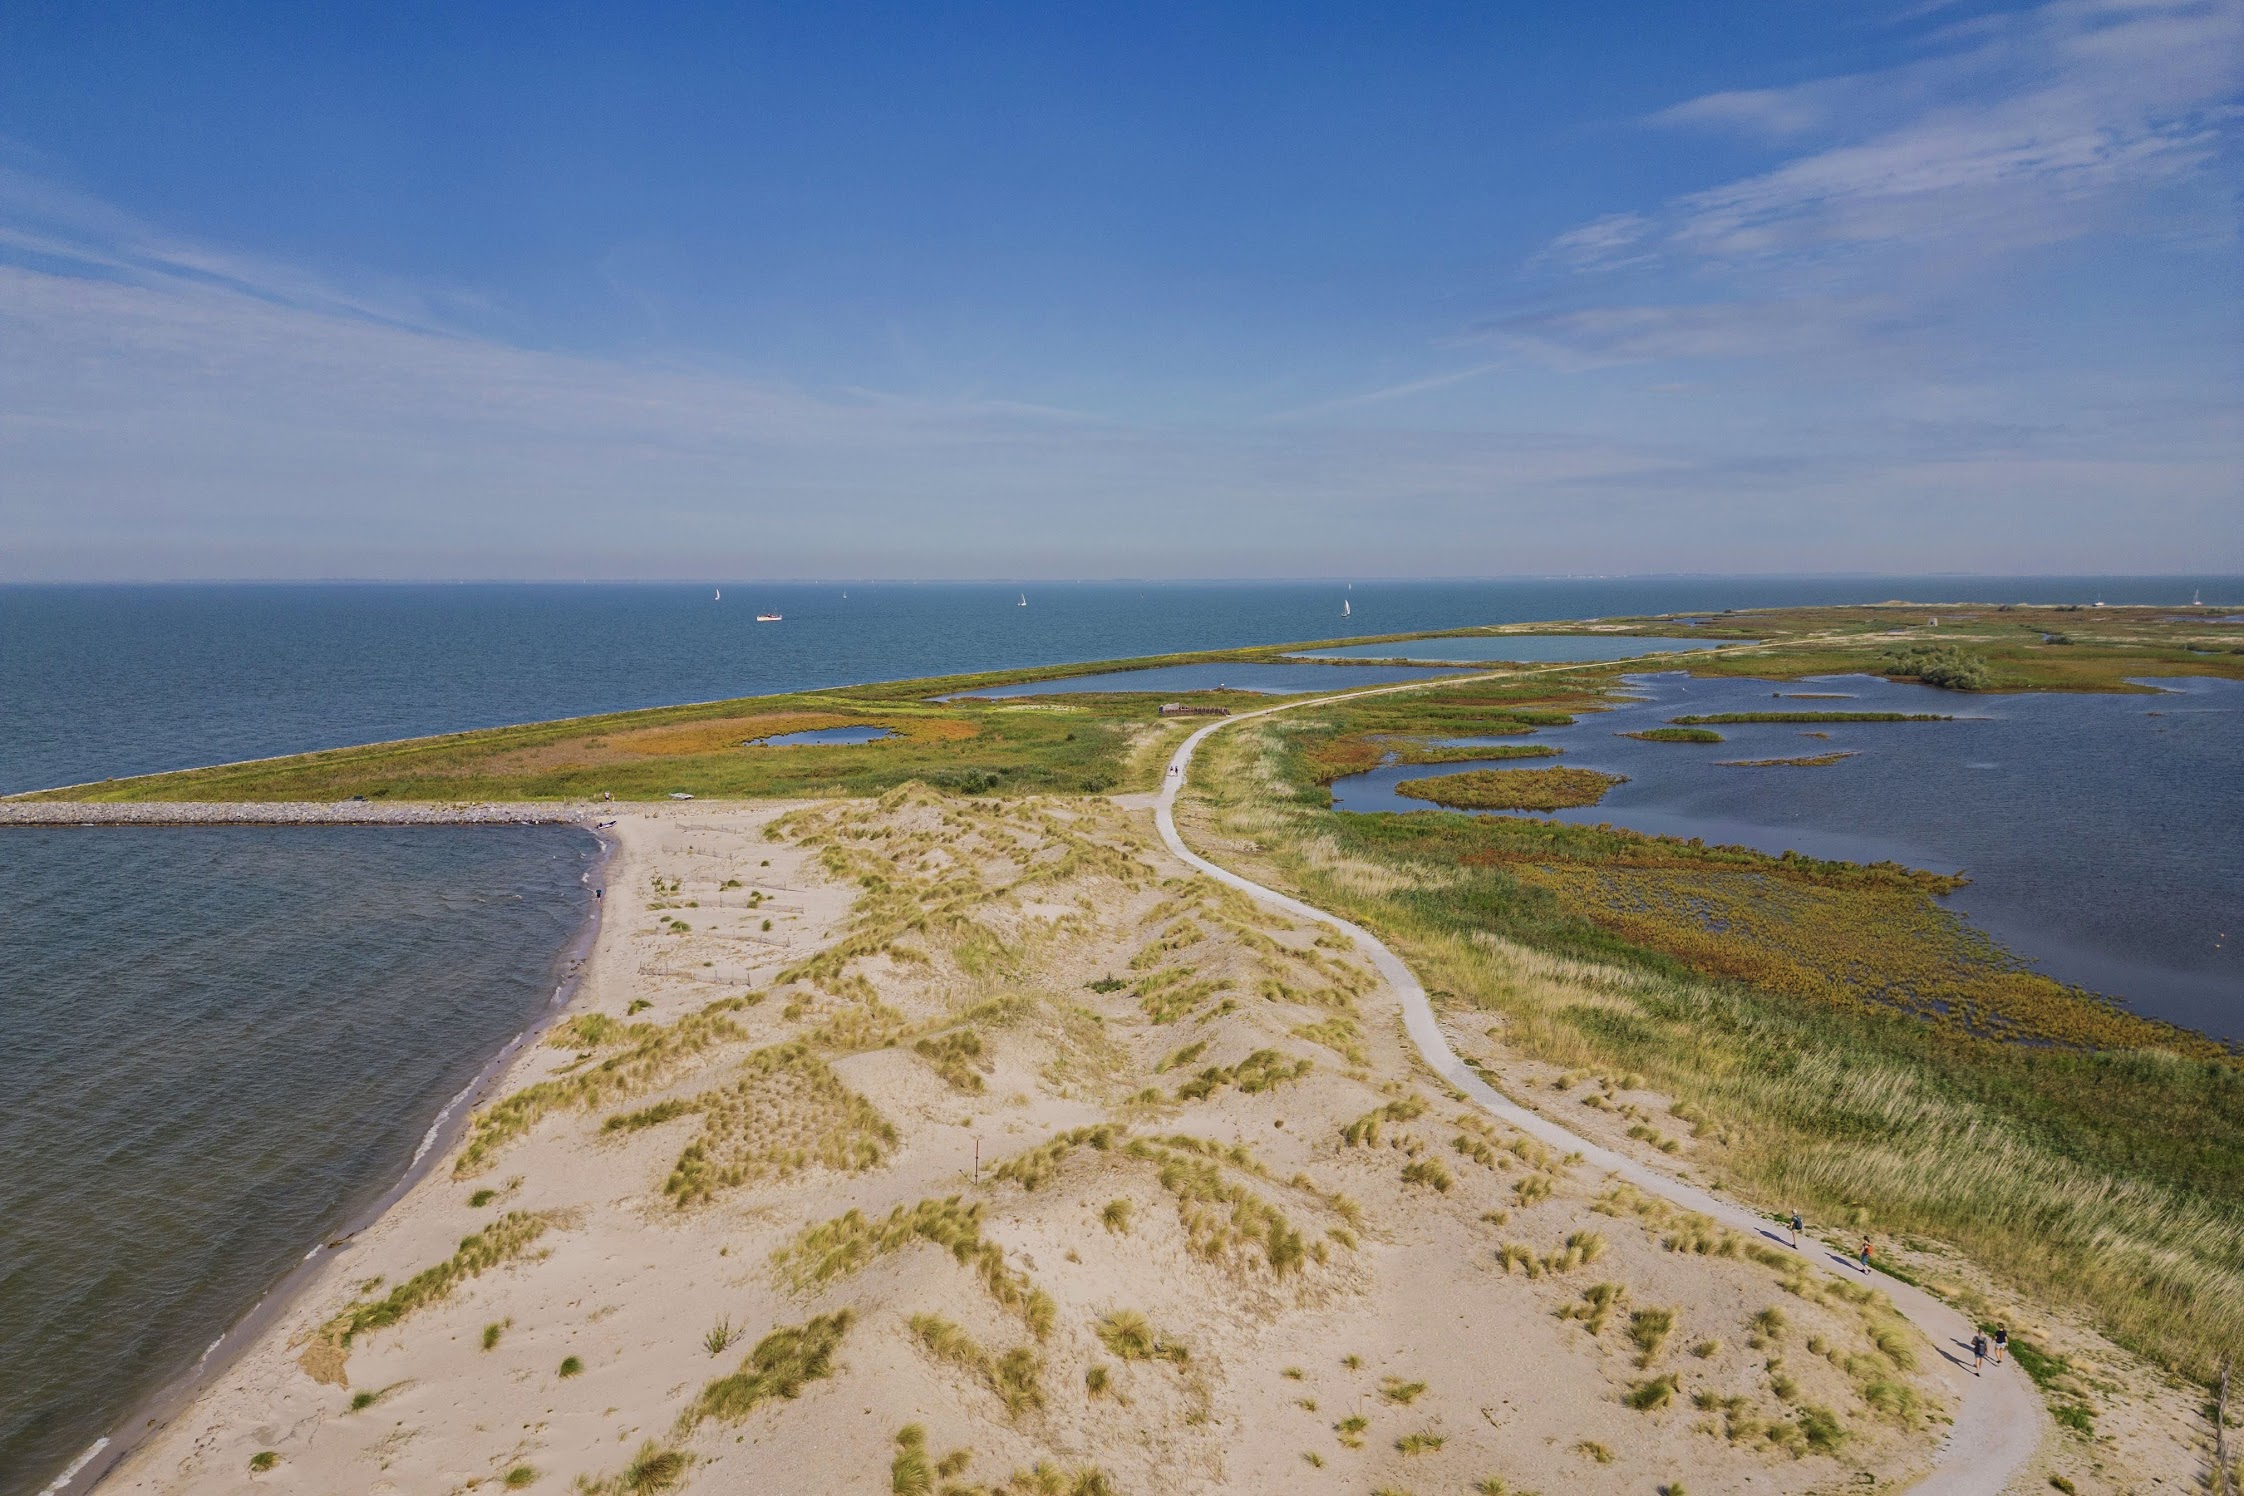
[(824, 735)]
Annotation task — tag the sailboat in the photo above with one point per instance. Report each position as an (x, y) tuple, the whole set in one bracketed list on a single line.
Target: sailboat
[(1023, 602), (1344, 607), (720, 597)]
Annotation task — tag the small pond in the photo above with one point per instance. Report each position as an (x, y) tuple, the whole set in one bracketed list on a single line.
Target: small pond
[(823, 735), (2099, 831), (1526, 648), (1265, 680)]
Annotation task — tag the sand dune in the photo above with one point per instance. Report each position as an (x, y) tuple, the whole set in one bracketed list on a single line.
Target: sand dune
[(931, 1144)]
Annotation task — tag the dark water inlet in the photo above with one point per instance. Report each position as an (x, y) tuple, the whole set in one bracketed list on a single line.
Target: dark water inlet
[(223, 1044), (2099, 831)]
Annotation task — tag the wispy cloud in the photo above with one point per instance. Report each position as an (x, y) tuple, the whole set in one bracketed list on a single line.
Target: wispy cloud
[(2042, 127)]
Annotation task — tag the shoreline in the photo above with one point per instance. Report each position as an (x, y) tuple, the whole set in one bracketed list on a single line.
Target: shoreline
[(156, 1410), (291, 813)]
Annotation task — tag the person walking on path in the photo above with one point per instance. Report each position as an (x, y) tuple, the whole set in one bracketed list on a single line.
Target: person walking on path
[(1978, 1353), (2002, 1342), (1865, 1254), (1798, 1226)]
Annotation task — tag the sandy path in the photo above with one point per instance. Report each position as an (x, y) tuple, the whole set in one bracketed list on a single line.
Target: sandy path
[(1999, 1420)]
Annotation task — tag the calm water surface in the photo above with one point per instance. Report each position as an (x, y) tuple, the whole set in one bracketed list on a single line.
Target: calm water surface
[(222, 1042), (2100, 832)]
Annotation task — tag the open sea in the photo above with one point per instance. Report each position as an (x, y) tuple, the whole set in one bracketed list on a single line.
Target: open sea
[(226, 1044)]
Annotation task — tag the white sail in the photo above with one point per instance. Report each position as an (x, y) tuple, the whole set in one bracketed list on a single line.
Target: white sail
[(1344, 607)]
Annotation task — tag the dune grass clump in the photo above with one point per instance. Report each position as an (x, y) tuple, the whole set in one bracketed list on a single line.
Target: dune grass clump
[(781, 1365), (1400, 1392), (1263, 1070), (1016, 1376), (1648, 1330), (1222, 1220), (1115, 1216), (957, 1058), (502, 1241), (1180, 1056), (1170, 993), (653, 1470), (1340, 1035), (786, 1112), (519, 1477), (1129, 1336), (1599, 1300), (838, 1247), (1423, 1442), (655, 1053), (1512, 789), (1656, 1393), (913, 1473), (1429, 1173), (263, 1460), (1365, 1131)]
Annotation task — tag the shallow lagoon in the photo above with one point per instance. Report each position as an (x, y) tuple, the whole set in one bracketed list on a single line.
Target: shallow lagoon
[(2099, 831), (1263, 680), (1533, 649), (814, 735)]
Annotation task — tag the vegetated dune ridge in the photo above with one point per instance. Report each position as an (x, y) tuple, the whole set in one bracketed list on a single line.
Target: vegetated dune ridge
[(724, 1230)]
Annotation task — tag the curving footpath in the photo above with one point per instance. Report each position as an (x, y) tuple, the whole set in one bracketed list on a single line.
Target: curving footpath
[(1999, 1419)]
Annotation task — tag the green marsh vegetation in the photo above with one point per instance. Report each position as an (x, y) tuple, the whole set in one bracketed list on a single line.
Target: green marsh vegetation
[(1512, 789), (1861, 1050), (1945, 665), (1676, 735)]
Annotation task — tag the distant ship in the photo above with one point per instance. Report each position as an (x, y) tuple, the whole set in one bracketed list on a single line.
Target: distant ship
[(767, 618)]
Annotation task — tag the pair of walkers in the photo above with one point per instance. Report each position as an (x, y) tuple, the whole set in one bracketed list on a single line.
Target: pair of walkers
[(1797, 1225), (1979, 1348)]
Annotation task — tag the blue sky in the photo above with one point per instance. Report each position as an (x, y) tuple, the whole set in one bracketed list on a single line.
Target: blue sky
[(434, 291)]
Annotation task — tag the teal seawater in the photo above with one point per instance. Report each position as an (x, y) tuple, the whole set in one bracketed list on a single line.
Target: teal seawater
[(222, 1044)]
